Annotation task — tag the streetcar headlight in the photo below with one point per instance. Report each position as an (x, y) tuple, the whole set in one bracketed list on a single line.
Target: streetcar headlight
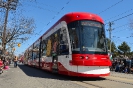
[(81, 57), (87, 57)]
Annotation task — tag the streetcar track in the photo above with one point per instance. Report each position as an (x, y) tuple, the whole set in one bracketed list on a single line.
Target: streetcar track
[(93, 85), (120, 77), (86, 84), (98, 86), (119, 81), (82, 81), (108, 80)]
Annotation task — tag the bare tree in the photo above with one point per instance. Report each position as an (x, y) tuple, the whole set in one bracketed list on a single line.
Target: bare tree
[(18, 30)]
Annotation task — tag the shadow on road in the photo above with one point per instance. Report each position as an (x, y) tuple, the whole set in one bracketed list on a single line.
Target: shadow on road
[(34, 72)]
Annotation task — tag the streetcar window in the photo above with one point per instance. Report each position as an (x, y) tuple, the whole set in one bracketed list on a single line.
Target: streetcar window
[(93, 39), (63, 46), (87, 37), (74, 36), (43, 48), (36, 51), (55, 41), (48, 48)]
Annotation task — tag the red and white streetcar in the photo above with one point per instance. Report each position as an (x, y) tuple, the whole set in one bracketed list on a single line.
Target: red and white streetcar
[(75, 45)]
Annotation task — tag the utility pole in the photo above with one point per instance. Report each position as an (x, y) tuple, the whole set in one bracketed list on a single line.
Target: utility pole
[(110, 33), (8, 5)]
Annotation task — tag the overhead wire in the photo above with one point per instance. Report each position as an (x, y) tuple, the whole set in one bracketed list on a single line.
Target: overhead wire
[(42, 8), (121, 26), (68, 2), (118, 18), (99, 13), (56, 15), (38, 3), (123, 41), (125, 25), (119, 14), (122, 17), (122, 37), (111, 6), (53, 17)]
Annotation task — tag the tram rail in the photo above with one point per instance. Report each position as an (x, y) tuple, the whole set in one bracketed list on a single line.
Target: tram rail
[(109, 80)]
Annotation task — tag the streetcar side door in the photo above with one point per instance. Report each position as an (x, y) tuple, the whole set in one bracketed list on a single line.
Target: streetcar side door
[(54, 52)]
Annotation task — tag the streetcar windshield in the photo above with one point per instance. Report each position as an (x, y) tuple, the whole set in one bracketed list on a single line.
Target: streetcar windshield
[(87, 37)]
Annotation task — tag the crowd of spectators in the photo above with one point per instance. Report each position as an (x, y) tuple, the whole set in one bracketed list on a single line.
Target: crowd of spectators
[(122, 65)]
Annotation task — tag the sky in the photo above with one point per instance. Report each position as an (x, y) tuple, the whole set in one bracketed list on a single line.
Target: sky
[(46, 12)]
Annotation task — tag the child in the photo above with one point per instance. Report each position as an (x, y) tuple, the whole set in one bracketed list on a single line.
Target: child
[(127, 70)]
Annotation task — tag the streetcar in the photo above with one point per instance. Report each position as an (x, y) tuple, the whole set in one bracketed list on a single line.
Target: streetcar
[(75, 46)]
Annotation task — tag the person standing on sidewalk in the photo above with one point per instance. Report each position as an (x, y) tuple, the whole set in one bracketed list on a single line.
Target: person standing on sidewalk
[(4, 61), (15, 61), (1, 66)]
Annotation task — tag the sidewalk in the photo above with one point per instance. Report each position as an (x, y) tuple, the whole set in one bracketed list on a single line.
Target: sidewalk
[(16, 78), (28, 77)]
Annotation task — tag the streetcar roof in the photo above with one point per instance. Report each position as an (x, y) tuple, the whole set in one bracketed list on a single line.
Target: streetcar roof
[(73, 16)]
